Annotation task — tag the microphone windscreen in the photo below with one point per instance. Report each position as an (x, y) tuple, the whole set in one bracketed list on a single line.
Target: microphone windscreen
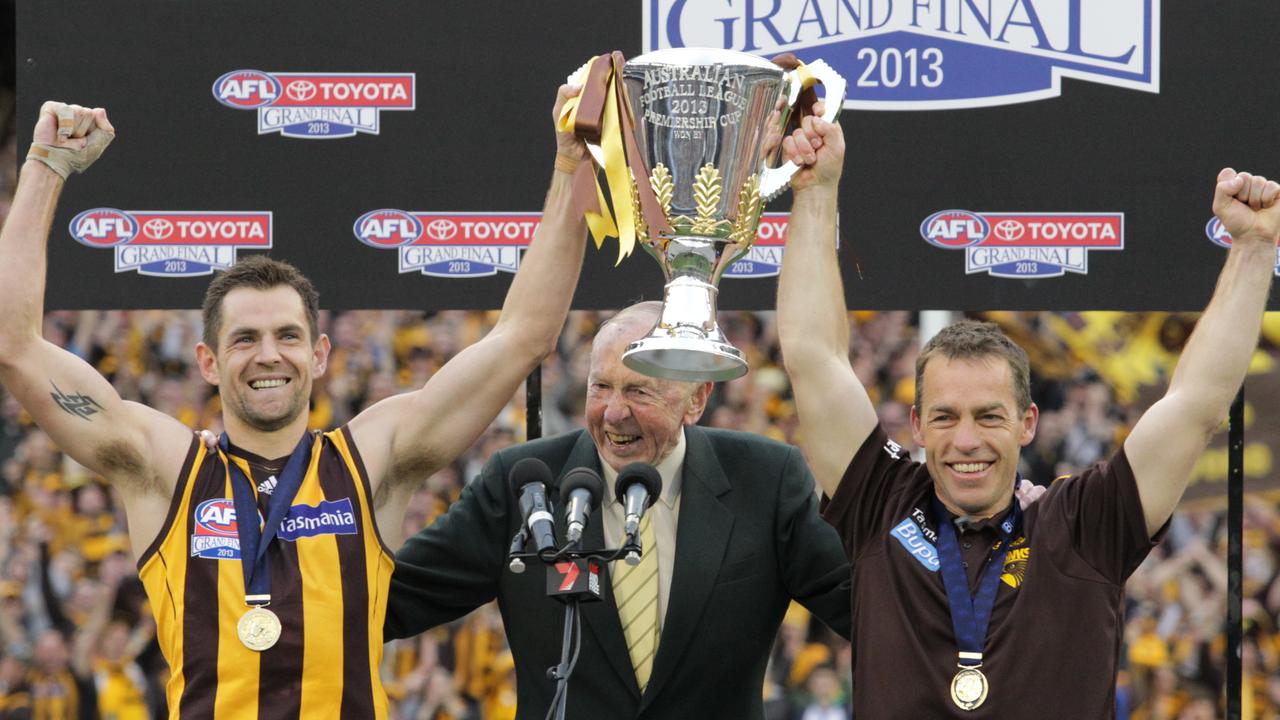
[(529, 470), (638, 472), (583, 478)]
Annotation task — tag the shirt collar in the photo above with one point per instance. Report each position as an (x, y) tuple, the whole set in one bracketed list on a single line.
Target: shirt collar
[(670, 469), (966, 525)]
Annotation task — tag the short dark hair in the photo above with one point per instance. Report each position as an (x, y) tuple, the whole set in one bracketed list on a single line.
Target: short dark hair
[(976, 339), (260, 273)]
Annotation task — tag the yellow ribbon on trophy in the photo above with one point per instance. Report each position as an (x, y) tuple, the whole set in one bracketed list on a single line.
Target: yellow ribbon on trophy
[(599, 114)]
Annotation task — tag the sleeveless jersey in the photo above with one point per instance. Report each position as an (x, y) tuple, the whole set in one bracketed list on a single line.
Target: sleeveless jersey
[(330, 573)]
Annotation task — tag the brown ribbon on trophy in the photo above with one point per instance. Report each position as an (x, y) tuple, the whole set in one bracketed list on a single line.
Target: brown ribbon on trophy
[(601, 115)]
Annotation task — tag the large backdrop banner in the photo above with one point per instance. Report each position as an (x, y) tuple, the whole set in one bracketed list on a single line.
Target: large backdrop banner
[(1003, 154)]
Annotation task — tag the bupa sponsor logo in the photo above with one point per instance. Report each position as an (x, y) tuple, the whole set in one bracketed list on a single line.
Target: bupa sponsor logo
[(451, 245), (908, 534), (214, 531), (172, 243), (1219, 235), (932, 54), (316, 105), (1024, 245), (330, 517)]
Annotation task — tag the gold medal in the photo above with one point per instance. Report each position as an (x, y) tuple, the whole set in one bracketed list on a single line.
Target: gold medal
[(258, 629), (968, 688)]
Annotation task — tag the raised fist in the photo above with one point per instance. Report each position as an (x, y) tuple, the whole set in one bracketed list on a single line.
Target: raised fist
[(1247, 206), (69, 138)]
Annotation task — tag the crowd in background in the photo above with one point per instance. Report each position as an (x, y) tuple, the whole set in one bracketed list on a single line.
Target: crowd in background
[(77, 639)]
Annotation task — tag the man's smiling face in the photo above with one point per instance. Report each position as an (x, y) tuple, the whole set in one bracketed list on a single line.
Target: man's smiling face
[(630, 416), (972, 432), (265, 360)]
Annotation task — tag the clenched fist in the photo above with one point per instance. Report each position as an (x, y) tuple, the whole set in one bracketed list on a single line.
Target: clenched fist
[(68, 138)]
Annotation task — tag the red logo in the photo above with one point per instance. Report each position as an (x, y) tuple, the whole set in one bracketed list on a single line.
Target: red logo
[(246, 89), (442, 229), (569, 571), (157, 228), (216, 517), (104, 227), (1008, 230), (300, 90), (955, 229)]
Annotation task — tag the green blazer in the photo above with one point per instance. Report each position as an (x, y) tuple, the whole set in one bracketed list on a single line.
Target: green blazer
[(749, 541)]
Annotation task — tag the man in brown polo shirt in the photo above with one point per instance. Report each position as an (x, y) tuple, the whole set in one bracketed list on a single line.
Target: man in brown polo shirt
[(964, 605)]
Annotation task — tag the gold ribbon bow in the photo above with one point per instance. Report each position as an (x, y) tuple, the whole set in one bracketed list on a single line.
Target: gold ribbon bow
[(601, 115)]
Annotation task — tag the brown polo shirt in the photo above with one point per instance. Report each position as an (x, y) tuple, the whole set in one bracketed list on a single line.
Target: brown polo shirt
[(1054, 639)]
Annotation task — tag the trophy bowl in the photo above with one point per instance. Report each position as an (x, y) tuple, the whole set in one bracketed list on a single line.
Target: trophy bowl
[(690, 142), (707, 125)]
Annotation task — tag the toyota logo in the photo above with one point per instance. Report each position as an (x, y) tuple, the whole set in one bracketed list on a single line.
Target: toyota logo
[(442, 229), (1008, 230), (301, 90), (158, 228)]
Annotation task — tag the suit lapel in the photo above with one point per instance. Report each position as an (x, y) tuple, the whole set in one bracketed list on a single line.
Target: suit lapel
[(703, 536), (600, 619)]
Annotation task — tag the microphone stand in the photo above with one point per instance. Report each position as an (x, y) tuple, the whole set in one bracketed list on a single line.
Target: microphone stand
[(580, 583)]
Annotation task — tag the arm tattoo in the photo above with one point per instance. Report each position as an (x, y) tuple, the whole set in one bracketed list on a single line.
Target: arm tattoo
[(82, 406)]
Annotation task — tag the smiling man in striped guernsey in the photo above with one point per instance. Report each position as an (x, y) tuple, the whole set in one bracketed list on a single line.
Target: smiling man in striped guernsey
[(281, 616)]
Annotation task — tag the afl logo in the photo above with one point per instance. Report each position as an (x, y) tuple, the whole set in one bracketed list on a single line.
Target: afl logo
[(246, 89), (103, 227), (1217, 233), (216, 517), (387, 228), (953, 229)]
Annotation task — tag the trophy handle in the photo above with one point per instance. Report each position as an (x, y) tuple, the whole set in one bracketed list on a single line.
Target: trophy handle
[(775, 180)]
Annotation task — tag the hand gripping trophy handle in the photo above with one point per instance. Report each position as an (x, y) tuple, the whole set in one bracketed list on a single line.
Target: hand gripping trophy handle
[(775, 180)]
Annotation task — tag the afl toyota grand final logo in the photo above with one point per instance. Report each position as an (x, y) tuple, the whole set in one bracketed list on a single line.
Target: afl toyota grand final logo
[(1024, 245), (454, 245), (172, 243), (316, 105), (932, 54), (463, 245)]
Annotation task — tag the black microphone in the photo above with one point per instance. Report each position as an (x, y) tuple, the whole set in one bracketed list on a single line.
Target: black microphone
[(638, 486), (529, 478), (584, 488)]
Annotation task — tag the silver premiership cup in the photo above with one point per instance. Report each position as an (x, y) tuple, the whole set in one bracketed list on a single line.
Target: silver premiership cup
[(708, 125)]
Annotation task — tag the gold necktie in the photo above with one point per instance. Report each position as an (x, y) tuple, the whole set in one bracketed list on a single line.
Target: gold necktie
[(635, 590)]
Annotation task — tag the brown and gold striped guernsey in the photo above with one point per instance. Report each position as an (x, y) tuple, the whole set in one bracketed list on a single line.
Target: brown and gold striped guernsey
[(330, 573)]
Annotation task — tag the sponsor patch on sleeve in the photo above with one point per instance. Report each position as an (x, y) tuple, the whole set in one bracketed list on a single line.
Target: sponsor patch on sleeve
[(908, 534)]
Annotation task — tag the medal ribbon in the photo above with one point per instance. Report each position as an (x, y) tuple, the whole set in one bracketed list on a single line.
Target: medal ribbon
[(971, 614), (254, 541)]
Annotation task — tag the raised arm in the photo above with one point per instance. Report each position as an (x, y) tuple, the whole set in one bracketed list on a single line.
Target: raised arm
[(404, 439), (1167, 440), (75, 405), (835, 412)]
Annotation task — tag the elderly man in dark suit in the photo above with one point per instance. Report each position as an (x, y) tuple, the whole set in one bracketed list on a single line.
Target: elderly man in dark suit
[(737, 536)]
